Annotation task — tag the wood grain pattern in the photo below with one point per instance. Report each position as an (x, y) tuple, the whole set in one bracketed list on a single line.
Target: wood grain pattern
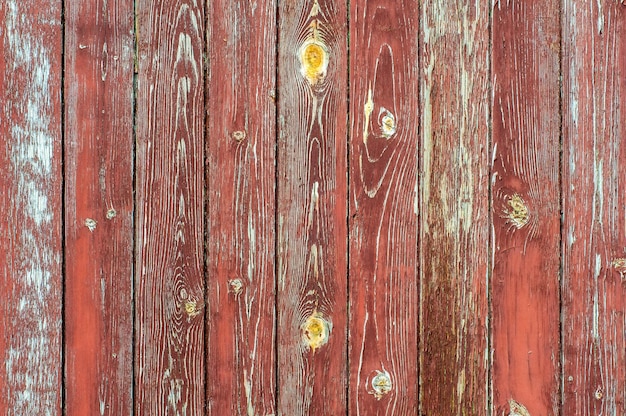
[(525, 207), (312, 198), (241, 135), (454, 238), (594, 229), (170, 296), (384, 290), (98, 207), (31, 200)]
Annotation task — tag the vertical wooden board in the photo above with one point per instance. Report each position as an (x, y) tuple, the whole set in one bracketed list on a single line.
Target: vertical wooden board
[(241, 134), (170, 208), (525, 207), (98, 207), (384, 289), (31, 200), (312, 199), (454, 211), (594, 229)]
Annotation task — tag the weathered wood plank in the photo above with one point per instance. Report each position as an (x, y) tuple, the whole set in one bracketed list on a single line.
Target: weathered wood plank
[(594, 229), (170, 208), (525, 207), (312, 199), (454, 241), (384, 290), (241, 135), (31, 200), (98, 207)]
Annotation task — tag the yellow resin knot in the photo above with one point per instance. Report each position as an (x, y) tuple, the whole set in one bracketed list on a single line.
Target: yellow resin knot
[(313, 61)]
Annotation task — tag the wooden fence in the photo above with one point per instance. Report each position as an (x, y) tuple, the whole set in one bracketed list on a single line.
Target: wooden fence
[(313, 207)]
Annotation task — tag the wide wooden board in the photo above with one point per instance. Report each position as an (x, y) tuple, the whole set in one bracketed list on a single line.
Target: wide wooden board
[(98, 207), (525, 207), (454, 215), (311, 210), (594, 228), (384, 132), (241, 143), (170, 295), (31, 189)]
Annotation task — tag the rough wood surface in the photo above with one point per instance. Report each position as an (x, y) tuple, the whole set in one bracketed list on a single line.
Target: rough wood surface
[(594, 229), (384, 290), (525, 207), (98, 207), (241, 179), (454, 211), (170, 297), (31, 199), (312, 194)]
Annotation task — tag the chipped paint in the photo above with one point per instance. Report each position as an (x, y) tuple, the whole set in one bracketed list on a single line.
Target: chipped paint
[(517, 409), (247, 385), (314, 204), (620, 266), (595, 319), (368, 108)]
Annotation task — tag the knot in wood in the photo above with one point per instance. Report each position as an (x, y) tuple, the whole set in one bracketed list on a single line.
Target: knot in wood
[(313, 61), (239, 135), (315, 331), (381, 384), (516, 212)]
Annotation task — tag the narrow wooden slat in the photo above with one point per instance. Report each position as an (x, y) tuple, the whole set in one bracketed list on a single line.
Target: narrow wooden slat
[(98, 207), (311, 208), (454, 217), (525, 207), (241, 136), (170, 208), (384, 82), (594, 229), (31, 200)]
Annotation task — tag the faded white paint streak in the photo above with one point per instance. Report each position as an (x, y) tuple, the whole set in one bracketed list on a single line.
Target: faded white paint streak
[(32, 354)]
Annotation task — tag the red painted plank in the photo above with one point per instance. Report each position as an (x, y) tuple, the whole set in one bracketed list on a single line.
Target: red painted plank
[(455, 208), (170, 208), (594, 229), (311, 208), (241, 176), (525, 207), (384, 304), (31, 201), (98, 207)]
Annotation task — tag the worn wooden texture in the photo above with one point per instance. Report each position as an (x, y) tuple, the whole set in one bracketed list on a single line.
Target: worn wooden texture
[(170, 298), (98, 207), (525, 207), (312, 199), (454, 238), (241, 178), (384, 290), (594, 228), (31, 200)]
